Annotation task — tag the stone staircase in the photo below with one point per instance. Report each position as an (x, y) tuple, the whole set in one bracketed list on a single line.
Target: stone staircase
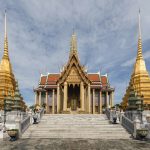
[(76, 126)]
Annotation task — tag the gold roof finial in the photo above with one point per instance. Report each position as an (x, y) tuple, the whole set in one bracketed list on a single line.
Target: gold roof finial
[(5, 40), (139, 53), (73, 45)]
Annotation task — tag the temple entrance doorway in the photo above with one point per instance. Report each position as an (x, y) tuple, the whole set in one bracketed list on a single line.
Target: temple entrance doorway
[(74, 96)]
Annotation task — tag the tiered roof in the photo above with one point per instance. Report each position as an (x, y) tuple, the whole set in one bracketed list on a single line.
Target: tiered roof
[(94, 79)]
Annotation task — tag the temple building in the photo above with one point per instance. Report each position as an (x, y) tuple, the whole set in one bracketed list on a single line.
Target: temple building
[(74, 90), (7, 78), (140, 79)]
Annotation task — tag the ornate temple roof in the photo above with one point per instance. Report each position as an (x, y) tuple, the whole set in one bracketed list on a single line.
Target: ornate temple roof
[(95, 78), (74, 72)]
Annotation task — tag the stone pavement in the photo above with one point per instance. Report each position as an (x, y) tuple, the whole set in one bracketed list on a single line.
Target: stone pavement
[(74, 144)]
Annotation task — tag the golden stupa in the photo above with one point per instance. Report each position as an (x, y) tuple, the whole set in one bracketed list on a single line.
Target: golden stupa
[(140, 78), (7, 79)]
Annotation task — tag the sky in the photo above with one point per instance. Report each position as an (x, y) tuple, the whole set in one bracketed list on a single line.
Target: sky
[(39, 33)]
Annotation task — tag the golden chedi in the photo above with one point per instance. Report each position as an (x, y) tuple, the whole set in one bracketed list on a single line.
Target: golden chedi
[(140, 77), (7, 79)]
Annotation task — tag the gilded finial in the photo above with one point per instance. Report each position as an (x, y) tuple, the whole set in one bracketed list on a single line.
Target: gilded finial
[(73, 45), (5, 39)]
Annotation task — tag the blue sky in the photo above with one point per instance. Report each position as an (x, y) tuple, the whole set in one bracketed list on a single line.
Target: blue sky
[(39, 34)]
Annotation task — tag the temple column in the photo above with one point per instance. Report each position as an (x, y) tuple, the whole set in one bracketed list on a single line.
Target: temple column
[(40, 99), (93, 101), (58, 98), (112, 99), (89, 98), (53, 102), (47, 104), (65, 97), (107, 100), (36, 100), (85, 99), (82, 96), (100, 103)]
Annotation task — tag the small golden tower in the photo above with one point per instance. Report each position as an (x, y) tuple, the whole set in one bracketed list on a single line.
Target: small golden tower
[(7, 79), (140, 77)]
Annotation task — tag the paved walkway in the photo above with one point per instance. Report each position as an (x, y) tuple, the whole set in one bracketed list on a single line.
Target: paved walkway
[(74, 144)]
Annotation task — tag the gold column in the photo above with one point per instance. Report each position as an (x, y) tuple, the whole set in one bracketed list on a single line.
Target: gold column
[(65, 97), (89, 99), (82, 95), (58, 98), (112, 99), (53, 102), (47, 104), (85, 99), (40, 98), (36, 100), (93, 101), (100, 103), (107, 103)]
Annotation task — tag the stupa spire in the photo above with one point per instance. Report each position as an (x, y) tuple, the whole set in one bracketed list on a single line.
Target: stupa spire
[(139, 53), (139, 66), (5, 39), (73, 44)]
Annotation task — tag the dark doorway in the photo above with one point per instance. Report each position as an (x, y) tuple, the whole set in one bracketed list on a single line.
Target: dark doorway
[(74, 96)]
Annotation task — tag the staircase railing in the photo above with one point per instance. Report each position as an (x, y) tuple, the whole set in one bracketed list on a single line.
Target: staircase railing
[(25, 124), (127, 124), (107, 112)]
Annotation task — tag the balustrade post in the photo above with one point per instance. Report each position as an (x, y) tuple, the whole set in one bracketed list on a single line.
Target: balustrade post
[(137, 125), (121, 115), (18, 126), (31, 119)]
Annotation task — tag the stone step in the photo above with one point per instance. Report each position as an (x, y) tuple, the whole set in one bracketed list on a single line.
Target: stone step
[(91, 136), (76, 126)]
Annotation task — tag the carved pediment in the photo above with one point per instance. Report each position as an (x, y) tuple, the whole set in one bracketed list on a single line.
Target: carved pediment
[(73, 76)]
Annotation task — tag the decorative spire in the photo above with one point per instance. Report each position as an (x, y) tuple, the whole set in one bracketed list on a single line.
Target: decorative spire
[(139, 53), (73, 46), (5, 40), (139, 66)]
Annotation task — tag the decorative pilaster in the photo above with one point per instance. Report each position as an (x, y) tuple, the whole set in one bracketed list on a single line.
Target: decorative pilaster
[(65, 97), (89, 98), (40, 102), (47, 104), (53, 102), (82, 95), (100, 103), (93, 101), (58, 98)]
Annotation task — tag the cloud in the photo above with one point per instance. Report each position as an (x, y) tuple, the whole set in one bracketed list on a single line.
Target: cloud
[(39, 37)]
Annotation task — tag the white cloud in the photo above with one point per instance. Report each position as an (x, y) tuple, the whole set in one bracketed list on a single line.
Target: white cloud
[(39, 36)]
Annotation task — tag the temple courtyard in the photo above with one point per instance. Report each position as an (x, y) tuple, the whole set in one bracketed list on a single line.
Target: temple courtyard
[(74, 144)]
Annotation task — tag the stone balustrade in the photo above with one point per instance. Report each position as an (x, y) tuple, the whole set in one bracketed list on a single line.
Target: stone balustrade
[(20, 120)]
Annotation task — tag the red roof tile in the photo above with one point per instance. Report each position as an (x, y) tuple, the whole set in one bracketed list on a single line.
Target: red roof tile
[(94, 77), (104, 80), (52, 78), (43, 80)]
